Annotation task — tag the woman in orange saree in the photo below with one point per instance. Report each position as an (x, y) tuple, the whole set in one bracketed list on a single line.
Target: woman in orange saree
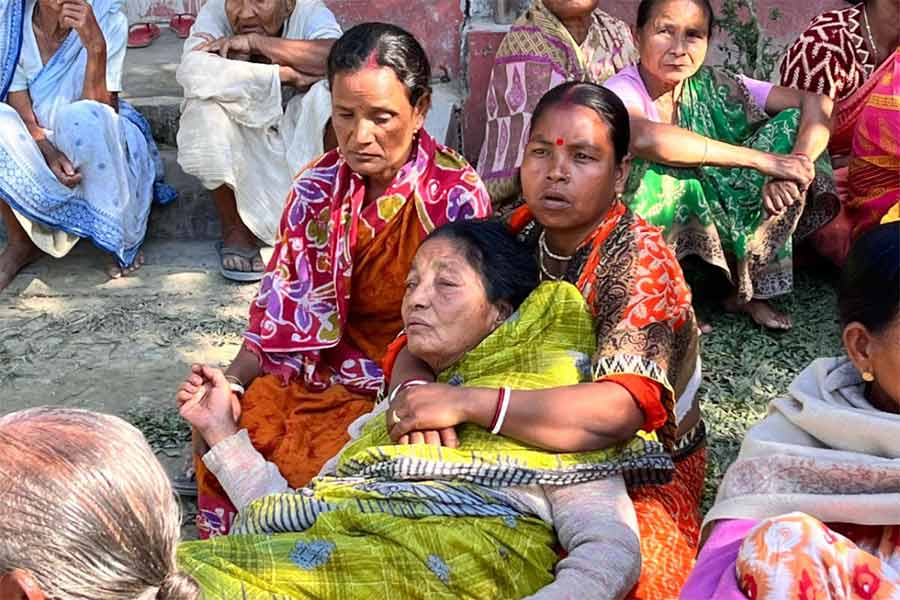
[(329, 303), (851, 55)]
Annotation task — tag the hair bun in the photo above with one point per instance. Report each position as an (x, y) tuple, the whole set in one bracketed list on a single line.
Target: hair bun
[(178, 586)]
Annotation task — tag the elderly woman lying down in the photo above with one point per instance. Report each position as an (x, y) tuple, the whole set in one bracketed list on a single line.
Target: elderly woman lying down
[(471, 520)]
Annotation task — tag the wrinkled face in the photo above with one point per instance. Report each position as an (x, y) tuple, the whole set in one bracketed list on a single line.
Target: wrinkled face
[(374, 122), (571, 9), (674, 41), (569, 173), (445, 310), (265, 17)]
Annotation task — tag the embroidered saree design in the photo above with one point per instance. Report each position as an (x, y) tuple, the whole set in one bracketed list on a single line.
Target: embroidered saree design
[(348, 537), (535, 56), (716, 213)]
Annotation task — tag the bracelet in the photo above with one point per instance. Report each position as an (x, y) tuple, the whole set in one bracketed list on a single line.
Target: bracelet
[(235, 385), (500, 413), (406, 384), (705, 150)]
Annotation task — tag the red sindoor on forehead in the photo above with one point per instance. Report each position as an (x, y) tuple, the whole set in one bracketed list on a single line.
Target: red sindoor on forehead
[(372, 62), (560, 141)]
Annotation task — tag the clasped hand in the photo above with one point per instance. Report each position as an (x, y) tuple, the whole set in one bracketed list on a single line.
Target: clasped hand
[(427, 414)]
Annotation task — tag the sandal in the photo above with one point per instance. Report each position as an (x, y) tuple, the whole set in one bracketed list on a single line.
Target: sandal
[(247, 254), (181, 24), (141, 35)]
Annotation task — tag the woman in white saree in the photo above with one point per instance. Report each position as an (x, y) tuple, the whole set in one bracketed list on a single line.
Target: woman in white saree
[(75, 161)]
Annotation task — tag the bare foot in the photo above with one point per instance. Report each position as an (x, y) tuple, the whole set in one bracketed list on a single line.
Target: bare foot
[(762, 313), (14, 258), (115, 271)]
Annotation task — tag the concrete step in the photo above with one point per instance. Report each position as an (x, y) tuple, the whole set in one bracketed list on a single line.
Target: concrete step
[(193, 216)]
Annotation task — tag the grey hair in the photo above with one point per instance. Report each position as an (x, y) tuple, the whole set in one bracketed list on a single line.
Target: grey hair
[(87, 509)]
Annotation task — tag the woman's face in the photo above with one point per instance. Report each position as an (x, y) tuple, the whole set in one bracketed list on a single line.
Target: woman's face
[(569, 173), (445, 310), (571, 9), (674, 41), (374, 121), (878, 354), (265, 17)]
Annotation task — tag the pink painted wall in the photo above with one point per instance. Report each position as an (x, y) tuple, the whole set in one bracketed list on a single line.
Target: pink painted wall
[(482, 45)]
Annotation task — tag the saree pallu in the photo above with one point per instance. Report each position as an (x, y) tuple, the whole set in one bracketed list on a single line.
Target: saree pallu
[(114, 152), (417, 521), (867, 130), (329, 305), (645, 325), (535, 56), (717, 213)]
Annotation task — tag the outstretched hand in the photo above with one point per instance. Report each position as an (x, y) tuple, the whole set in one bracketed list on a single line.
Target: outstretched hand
[(206, 401)]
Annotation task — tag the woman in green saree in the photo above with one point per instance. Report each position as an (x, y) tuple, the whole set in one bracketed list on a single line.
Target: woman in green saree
[(732, 168), (471, 518)]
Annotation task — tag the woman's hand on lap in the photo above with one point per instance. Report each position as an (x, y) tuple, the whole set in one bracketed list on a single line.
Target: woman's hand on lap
[(442, 437), (431, 408), (78, 15), (797, 168), (778, 195), (206, 401), (60, 164)]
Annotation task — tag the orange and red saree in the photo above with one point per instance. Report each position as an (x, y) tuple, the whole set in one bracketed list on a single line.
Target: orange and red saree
[(329, 305)]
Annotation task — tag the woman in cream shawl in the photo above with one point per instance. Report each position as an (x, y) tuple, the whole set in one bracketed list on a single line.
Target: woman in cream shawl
[(236, 134), (811, 507)]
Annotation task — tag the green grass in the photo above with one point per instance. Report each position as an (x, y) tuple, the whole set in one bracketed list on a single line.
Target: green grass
[(744, 366)]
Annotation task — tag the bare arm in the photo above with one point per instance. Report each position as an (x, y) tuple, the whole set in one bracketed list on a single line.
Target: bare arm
[(815, 117), (587, 416), (305, 56), (245, 367), (78, 15), (58, 162)]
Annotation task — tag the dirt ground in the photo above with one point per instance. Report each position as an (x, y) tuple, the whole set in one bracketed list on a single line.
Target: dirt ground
[(71, 337)]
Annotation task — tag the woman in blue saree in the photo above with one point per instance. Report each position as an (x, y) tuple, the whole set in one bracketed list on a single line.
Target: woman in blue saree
[(75, 161)]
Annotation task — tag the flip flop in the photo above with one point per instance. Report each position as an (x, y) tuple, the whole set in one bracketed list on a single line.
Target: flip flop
[(245, 253), (141, 35), (181, 24)]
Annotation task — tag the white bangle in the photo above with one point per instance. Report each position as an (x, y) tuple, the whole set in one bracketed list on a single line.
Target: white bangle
[(505, 393), (406, 384), (236, 388)]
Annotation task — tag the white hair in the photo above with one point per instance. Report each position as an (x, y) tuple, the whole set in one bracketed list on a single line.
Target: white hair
[(87, 509)]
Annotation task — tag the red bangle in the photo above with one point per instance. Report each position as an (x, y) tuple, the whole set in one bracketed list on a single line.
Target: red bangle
[(500, 412)]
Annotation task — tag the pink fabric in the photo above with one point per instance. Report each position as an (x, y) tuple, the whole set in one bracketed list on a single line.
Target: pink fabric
[(630, 89), (714, 574)]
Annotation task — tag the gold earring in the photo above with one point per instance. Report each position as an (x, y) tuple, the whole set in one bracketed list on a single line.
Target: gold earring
[(868, 376)]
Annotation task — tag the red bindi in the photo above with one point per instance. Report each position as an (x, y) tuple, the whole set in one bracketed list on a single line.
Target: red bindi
[(560, 142)]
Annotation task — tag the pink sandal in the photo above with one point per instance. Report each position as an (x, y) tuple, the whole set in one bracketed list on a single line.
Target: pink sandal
[(141, 35), (181, 24)]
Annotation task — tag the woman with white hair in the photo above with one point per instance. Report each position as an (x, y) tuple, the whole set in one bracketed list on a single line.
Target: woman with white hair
[(86, 511)]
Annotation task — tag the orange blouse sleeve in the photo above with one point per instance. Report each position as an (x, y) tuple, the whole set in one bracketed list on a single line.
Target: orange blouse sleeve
[(647, 393)]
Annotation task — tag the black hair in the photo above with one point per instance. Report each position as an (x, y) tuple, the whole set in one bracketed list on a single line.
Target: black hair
[(604, 102), (645, 9), (507, 266), (869, 291), (389, 46)]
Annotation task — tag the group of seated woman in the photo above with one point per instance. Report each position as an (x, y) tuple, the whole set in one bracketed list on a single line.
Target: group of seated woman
[(736, 171), (75, 160)]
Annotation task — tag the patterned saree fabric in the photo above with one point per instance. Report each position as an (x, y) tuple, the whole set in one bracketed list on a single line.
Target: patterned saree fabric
[(833, 58), (535, 56), (330, 305), (302, 306), (717, 213), (645, 326), (412, 523), (875, 158)]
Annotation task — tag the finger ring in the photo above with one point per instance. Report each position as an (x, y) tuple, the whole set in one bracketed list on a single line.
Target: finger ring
[(394, 416)]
